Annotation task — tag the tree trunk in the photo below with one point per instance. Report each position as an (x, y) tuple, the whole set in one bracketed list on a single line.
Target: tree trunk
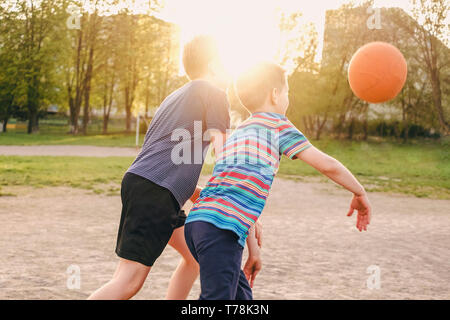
[(318, 131), (108, 93), (437, 100), (105, 115), (86, 109), (128, 119), (105, 110), (5, 124), (73, 115), (406, 131), (74, 123), (365, 129), (147, 99), (366, 121), (396, 130), (382, 129), (306, 124), (75, 101), (320, 126), (33, 105), (74, 108), (350, 129), (85, 112), (32, 121), (88, 77), (105, 123), (128, 105), (340, 126)]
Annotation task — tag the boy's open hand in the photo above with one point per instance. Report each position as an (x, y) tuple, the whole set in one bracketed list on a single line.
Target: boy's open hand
[(252, 268), (362, 205)]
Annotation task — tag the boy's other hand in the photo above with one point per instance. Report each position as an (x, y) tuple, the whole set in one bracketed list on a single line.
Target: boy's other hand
[(362, 205), (258, 232), (196, 194), (252, 268)]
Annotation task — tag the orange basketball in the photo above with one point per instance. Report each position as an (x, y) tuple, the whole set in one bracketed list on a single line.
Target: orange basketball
[(377, 72)]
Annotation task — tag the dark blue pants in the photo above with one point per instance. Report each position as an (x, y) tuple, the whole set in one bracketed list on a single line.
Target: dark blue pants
[(220, 256)]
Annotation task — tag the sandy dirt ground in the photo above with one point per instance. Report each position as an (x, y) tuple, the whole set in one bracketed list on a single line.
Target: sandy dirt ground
[(311, 249), (82, 151)]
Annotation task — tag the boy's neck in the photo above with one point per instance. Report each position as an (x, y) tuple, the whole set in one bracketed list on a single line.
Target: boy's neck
[(211, 79), (268, 108), (206, 77)]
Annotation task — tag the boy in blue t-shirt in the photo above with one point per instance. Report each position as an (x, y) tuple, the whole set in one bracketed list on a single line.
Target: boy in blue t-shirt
[(221, 219)]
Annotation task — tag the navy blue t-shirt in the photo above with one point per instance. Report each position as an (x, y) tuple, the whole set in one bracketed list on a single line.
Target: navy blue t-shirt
[(175, 144)]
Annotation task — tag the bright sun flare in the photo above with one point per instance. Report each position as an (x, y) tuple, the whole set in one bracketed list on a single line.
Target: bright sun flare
[(246, 30)]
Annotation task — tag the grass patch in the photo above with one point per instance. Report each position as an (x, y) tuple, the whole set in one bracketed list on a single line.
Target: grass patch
[(6, 194), (109, 140), (78, 172)]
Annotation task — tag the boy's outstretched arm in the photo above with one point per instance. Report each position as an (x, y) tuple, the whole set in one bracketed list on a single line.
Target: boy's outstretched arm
[(337, 172)]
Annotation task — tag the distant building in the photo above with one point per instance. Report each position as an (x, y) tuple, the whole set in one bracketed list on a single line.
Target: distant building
[(52, 109)]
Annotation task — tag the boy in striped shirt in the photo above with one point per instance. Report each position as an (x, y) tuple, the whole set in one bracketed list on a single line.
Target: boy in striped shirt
[(221, 220)]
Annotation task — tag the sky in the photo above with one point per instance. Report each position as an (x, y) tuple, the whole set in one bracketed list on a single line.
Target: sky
[(250, 25)]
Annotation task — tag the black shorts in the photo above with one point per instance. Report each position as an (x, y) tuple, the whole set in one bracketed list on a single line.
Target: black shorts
[(150, 213)]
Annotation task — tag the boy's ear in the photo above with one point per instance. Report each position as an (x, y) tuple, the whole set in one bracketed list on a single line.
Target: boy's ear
[(274, 96)]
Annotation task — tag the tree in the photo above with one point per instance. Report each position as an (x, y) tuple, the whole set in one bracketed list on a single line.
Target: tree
[(9, 72), (106, 78), (418, 38), (130, 51), (160, 62), (148, 52), (91, 45), (80, 65), (29, 29), (433, 53), (299, 52)]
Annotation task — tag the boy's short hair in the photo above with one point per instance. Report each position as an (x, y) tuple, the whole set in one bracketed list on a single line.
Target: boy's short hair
[(197, 55), (254, 85)]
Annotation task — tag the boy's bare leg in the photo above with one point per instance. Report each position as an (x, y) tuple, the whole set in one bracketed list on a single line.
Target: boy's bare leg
[(187, 271), (126, 282)]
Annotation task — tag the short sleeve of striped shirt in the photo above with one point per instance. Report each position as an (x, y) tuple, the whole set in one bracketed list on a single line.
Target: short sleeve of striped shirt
[(291, 140)]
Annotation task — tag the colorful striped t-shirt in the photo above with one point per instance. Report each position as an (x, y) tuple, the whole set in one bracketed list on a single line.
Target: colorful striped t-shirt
[(235, 196)]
